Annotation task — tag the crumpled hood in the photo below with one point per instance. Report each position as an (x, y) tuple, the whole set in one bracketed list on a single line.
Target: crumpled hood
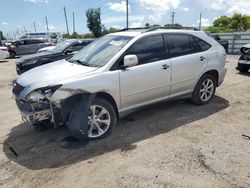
[(33, 57), (48, 74)]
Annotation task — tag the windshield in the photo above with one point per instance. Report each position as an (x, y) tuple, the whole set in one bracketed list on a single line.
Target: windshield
[(101, 51), (59, 48)]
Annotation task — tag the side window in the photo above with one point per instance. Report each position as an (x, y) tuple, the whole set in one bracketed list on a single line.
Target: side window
[(21, 42), (178, 44), (148, 49), (77, 46), (198, 43)]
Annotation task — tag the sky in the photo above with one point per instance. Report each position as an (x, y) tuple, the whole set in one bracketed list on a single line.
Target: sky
[(19, 15)]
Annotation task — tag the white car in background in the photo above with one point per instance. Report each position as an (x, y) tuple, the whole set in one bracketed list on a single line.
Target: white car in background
[(4, 53), (46, 49)]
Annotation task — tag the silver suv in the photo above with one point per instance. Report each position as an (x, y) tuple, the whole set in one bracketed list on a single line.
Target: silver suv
[(117, 74)]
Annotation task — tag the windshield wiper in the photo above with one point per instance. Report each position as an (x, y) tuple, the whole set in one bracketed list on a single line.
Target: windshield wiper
[(80, 62)]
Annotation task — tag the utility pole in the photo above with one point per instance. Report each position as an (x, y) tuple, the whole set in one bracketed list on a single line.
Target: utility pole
[(74, 23), (200, 21), (66, 20), (34, 26), (172, 17), (47, 23), (24, 28), (127, 12)]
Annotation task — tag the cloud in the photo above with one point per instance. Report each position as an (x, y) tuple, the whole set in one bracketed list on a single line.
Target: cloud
[(229, 6), (37, 1), (204, 22), (51, 27), (121, 19), (4, 23), (186, 9), (159, 8), (119, 7), (117, 27)]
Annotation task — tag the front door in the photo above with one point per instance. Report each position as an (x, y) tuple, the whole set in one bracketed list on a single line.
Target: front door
[(150, 79)]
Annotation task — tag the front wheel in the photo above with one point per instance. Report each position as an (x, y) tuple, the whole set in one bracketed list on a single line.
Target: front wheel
[(204, 90), (99, 121)]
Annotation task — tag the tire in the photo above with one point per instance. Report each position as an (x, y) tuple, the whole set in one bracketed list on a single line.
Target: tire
[(89, 122), (243, 68), (12, 54), (204, 90)]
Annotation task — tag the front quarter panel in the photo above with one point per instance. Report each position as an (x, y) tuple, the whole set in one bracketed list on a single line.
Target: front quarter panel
[(107, 82)]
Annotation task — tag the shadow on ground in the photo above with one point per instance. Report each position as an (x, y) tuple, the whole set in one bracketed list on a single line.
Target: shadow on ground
[(244, 73), (41, 150)]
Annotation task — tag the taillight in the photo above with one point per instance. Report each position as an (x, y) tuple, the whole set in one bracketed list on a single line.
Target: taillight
[(49, 44), (4, 49)]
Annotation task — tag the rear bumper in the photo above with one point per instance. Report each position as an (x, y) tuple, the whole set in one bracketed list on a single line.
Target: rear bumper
[(222, 74)]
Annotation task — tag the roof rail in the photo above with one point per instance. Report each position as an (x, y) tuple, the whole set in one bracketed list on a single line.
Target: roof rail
[(154, 28)]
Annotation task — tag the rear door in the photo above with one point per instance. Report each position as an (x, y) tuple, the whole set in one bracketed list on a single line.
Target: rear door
[(150, 79), (188, 61), (35, 45)]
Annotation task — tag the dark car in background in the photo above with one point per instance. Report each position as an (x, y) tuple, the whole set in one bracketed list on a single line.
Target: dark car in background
[(223, 43), (26, 46), (244, 60), (62, 50)]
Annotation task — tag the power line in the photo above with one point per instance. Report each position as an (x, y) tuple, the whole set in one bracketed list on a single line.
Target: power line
[(127, 12), (46, 20), (172, 18), (66, 20)]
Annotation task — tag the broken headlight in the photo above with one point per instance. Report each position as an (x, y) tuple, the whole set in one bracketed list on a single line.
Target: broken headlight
[(42, 93)]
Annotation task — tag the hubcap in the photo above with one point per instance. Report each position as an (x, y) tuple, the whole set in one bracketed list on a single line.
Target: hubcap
[(206, 90), (99, 121)]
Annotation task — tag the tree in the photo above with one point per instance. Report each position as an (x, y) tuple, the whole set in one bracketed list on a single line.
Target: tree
[(222, 21), (147, 25), (237, 22), (94, 21)]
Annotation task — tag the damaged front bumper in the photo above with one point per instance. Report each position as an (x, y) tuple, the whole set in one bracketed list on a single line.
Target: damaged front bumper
[(34, 112)]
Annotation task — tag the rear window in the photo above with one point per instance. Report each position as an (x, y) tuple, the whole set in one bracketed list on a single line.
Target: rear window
[(178, 44), (198, 45)]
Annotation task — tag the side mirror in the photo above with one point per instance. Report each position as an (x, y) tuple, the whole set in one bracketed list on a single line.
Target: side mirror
[(130, 61)]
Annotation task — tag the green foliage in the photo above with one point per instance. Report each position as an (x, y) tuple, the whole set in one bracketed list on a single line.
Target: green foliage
[(94, 21), (237, 22), (147, 25)]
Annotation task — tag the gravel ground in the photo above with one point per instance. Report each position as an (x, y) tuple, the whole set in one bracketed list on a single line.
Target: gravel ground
[(172, 144)]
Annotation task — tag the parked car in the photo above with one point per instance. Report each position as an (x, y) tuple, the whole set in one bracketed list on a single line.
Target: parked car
[(26, 46), (244, 60), (222, 42), (117, 74), (4, 53), (63, 50), (46, 49)]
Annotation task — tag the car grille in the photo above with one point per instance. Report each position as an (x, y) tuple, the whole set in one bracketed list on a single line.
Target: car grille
[(17, 89)]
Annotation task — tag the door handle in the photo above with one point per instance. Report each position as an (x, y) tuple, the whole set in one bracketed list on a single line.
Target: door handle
[(202, 58), (165, 66)]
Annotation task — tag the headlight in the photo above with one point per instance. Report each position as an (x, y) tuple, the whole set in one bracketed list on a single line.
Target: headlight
[(35, 96), (42, 93)]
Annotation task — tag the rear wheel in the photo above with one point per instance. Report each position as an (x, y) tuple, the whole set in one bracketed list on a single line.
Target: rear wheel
[(243, 68), (204, 90)]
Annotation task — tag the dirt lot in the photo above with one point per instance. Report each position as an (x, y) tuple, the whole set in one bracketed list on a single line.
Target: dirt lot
[(174, 144)]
